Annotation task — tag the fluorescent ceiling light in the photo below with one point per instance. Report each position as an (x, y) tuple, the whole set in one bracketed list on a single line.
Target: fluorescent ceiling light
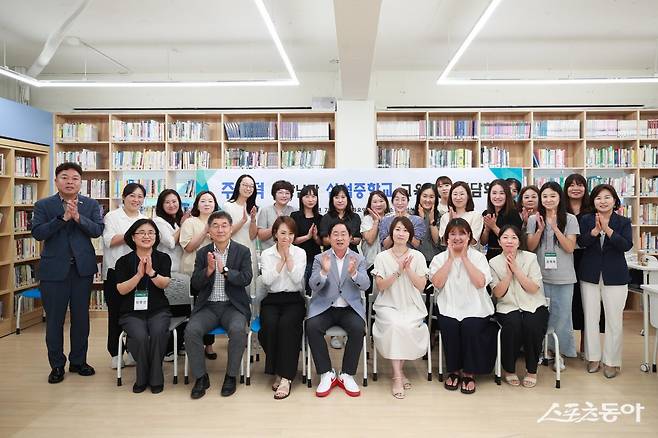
[(292, 81), (444, 80)]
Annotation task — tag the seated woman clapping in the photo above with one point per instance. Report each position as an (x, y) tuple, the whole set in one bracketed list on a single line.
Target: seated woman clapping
[(460, 276), (521, 306), (142, 275)]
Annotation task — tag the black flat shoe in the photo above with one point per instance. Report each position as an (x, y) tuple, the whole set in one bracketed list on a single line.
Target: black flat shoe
[(228, 387), (84, 370), (200, 386), (210, 356), (157, 389), (56, 375), (137, 389)]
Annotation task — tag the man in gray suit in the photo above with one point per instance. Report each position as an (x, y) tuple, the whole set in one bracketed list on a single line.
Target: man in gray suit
[(338, 279), (222, 270)]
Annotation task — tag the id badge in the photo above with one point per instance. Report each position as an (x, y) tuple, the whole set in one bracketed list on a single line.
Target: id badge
[(141, 299), (550, 260)]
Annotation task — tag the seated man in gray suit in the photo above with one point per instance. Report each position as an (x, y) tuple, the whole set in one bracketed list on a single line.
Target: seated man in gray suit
[(339, 276), (222, 270)]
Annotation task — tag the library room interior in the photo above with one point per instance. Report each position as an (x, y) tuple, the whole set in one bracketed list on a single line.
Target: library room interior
[(328, 218)]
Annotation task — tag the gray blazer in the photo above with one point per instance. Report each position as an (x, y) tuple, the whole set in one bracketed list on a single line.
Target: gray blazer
[(327, 289)]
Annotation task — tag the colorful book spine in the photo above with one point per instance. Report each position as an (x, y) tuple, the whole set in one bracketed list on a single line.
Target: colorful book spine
[(25, 194), (649, 241), (550, 158), (455, 158), (304, 131), (648, 156), (649, 186), (452, 129), (26, 248), (610, 128), (624, 185), (86, 158), (304, 159), (648, 214), (541, 180), (393, 158), (250, 130), (189, 130), (76, 132), (556, 129), (504, 129), (649, 128), (240, 158), (94, 188), (493, 156), (28, 167), (407, 129), (186, 160), (142, 130), (611, 156), (23, 220), (24, 275), (139, 160), (153, 186)]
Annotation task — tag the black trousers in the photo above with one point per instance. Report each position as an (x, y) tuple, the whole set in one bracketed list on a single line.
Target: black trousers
[(113, 301), (348, 320), (147, 342), (469, 344), (57, 296), (522, 329), (281, 318)]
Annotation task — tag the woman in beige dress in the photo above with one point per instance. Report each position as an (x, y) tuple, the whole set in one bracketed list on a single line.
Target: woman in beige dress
[(399, 331)]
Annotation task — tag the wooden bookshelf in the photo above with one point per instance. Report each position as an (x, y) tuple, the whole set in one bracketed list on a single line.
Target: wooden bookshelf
[(9, 234)]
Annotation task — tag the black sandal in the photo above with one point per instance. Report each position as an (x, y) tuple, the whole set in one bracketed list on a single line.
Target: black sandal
[(465, 381), (455, 382)]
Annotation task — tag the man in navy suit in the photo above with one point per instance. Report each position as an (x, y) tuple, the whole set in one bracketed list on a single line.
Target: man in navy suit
[(66, 222)]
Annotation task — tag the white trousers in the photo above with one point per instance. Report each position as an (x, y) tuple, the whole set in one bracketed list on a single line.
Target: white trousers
[(614, 300)]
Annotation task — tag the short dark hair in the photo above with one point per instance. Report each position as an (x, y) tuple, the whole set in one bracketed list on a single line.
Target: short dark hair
[(68, 166), (598, 189), (131, 188), (195, 207), (406, 222), (516, 231), (220, 215), (128, 236), (282, 185), (372, 195), (340, 222), (470, 205), (400, 191), (522, 192), (284, 220), (459, 224)]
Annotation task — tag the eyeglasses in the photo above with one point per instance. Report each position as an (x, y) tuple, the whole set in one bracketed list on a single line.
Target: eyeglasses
[(247, 186), (145, 233)]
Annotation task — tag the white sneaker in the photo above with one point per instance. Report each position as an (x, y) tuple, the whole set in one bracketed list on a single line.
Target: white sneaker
[(348, 384), (336, 342), (559, 360), (169, 357), (115, 362), (130, 360), (327, 383)]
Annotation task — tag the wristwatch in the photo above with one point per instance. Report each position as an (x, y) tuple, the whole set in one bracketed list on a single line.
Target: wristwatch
[(155, 274), (225, 271)]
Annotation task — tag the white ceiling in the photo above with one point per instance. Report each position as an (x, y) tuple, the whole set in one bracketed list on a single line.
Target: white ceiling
[(227, 38)]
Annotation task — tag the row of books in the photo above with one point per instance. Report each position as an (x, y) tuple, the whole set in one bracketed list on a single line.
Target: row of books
[(549, 158), (189, 130), (153, 186), (304, 159), (624, 185), (494, 157), (3, 164), (139, 160), (86, 158), (626, 210), (94, 188), (543, 179), (648, 155), (26, 248), (611, 128), (648, 214), (23, 220), (505, 129), (649, 186), (25, 193), (250, 130), (452, 129), (401, 129), (237, 158), (197, 159), (304, 131), (28, 166), (451, 158), (556, 129), (387, 158), (141, 130), (649, 241), (25, 275), (28, 305), (610, 156), (649, 128), (72, 132)]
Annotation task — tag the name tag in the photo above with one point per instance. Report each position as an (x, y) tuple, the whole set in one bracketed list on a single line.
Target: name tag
[(550, 260), (141, 299)]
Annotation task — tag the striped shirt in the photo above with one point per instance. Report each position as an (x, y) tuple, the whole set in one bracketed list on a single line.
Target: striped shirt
[(219, 287)]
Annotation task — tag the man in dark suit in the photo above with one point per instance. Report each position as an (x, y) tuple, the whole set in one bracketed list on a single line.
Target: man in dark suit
[(222, 270), (66, 222)]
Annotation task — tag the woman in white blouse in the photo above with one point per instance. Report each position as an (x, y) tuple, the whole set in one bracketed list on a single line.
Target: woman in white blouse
[(521, 306), (460, 204), (460, 276), (376, 209), (282, 310), (168, 217), (194, 235), (117, 223)]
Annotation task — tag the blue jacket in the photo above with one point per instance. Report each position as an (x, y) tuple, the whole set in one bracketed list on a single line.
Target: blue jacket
[(608, 260), (66, 240)]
